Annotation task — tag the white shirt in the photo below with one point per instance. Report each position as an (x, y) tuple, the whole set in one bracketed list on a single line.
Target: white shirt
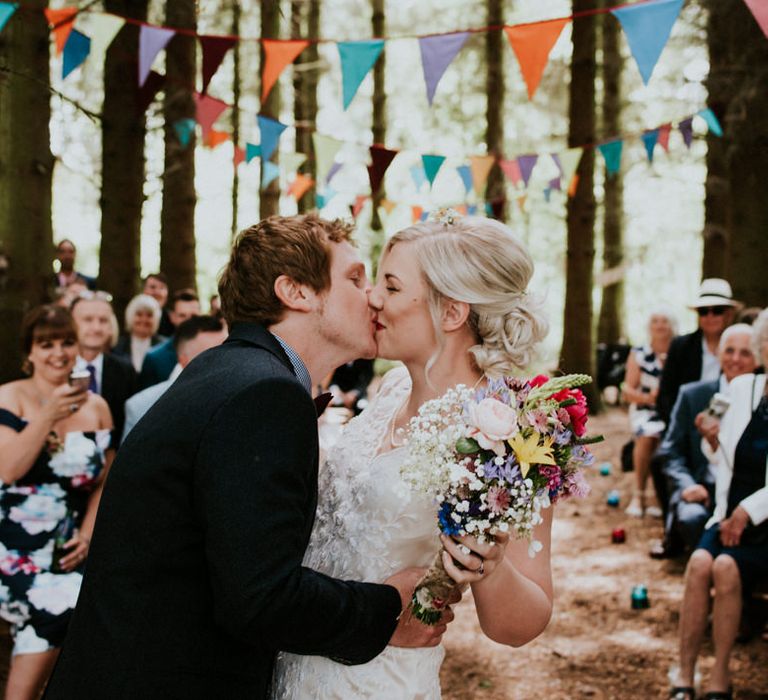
[(710, 365), (139, 348), (98, 364)]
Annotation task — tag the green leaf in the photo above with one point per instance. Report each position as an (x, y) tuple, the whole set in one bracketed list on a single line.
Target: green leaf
[(589, 440), (467, 446)]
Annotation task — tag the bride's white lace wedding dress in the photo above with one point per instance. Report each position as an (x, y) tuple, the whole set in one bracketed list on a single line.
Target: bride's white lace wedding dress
[(367, 527)]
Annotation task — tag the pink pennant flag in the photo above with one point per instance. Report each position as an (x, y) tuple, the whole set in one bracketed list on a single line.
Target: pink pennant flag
[(759, 9), (511, 168), (208, 111), (214, 50), (152, 40)]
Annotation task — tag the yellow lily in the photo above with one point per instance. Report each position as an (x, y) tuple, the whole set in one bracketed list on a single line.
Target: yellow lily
[(528, 451)]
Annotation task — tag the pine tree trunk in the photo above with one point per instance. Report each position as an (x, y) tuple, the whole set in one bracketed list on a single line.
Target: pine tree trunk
[(236, 77), (577, 351), (379, 126), (269, 200), (177, 218), (26, 168), (122, 171), (494, 133), (609, 327), (305, 24)]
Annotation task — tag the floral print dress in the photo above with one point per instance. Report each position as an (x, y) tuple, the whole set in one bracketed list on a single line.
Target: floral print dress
[(36, 601)]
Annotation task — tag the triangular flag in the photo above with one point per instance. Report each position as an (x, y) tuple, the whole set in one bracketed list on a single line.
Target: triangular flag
[(418, 175), (686, 129), (357, 58), (650, 139), (568, 161), (648, 26), (527, 164), (512, 170), (712, 121), (461, 209), (437, 52), (6, 10), (664, 131), (547, 194), (300, 186), (214, 50), (252, 150), (215, 138), (146, 93), (480, 166), (759, 9), (208, 111), (152, 40), (611, 151), (335, 167), (424, 216), (76, 50), (532, 44), (432, 166), (380, 160), (101, 28), (574, 185), (269, 172), (238, 156), (321, 199), (184, 129), (357, 207), (521, 200), (388, 205), (465, 172), (326, 149), (416, 213), (277, 55), (471, 209), (291, 162), (62, 22), (555, 184), (270, 134)]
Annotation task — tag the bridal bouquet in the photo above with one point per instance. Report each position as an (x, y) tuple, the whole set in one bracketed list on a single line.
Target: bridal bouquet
[(492, 459)]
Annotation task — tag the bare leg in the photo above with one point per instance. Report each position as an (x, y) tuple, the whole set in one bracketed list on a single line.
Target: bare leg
[(641, 460), (28, 675), (693, 613), (725, 618)]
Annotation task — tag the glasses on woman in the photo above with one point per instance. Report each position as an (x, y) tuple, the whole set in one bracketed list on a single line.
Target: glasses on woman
[(714, 310)]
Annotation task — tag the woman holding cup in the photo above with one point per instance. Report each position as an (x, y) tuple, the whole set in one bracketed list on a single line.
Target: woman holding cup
[(53, 435)]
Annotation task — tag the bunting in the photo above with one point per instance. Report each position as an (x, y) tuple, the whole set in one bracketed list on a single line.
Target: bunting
[(6, 11), (759, 8), (686, 129), (291, 162), (532, 44), (184, 129), (76, 50), (277, 55), (511, 169), (238, 156), (208, 110), (526, 164), (381, 158), (269, 173), (713, 124), (300, 186), (664, 131), (152, 40), (568, 162), (465, 173), (326, 149), (215, 138), (480, 167), (357, 58), (62, 22), (270, 135), (650, 138), (432, 165), (101, 28), (252, 150), (154, 83), (611, 151), (214, 49), (418, 176), (437, 52)]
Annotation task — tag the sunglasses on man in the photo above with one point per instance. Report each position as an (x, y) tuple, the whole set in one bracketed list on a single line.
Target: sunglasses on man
[(714, 310)]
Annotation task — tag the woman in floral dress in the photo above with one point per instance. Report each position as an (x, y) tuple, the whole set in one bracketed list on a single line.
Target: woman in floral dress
[(52, 442)]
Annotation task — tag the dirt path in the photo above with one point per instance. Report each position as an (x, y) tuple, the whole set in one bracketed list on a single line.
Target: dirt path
[(596, 646)]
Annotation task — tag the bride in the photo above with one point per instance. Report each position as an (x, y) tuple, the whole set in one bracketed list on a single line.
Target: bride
[(452, 307)]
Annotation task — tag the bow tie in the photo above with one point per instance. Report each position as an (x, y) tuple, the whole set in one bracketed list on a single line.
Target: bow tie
[(321, 402)]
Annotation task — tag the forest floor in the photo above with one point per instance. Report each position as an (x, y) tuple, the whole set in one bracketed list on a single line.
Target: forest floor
[(595, 647)]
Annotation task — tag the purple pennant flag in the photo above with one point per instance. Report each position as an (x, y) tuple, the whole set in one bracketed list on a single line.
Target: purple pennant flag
[(335, 167), (526, 164), (437, 52), (558, 163), (152, 40), (686, 129), (554, 184)]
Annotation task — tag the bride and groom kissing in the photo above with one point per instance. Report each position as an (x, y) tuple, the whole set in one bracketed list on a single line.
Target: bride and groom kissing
[(218, 568)]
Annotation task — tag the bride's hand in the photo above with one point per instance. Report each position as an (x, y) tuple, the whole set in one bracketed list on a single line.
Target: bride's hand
[(478, 561)]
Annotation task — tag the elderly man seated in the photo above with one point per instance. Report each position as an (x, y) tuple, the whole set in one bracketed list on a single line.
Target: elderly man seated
[(690, 477)]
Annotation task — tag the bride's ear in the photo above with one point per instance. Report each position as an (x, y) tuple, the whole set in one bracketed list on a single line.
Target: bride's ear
[(455, 315), (293, 295)]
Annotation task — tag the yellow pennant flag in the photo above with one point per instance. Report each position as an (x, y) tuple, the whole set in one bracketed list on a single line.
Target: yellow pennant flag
[(291, 162), (480, 167), (326, 148), (101, 28)]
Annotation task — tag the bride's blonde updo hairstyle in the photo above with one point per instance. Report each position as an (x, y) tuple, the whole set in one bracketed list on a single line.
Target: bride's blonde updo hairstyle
[(481, 262)]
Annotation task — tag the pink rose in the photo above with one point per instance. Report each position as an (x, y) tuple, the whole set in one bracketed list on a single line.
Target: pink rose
[(577, 411), (492, 422)]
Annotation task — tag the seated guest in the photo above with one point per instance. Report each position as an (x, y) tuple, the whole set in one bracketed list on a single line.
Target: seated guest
[(349, 384), (160, 360), (640, 389), (156, 286), (65, 254), (142, 320), (732, 555), (192, 337), (111, 377), (690, 477)]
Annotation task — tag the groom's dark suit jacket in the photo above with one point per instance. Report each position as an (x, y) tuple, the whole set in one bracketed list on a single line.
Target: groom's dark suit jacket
[(194, 577)]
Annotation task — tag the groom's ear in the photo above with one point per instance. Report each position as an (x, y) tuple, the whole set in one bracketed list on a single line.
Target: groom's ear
[(294, 296), (455, 315)]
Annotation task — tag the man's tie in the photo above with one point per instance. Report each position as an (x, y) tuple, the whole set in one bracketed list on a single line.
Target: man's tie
[(92, 385)]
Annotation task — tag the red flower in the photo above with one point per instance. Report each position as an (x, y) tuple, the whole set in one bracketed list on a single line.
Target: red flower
[(539, 379), (577, 411)]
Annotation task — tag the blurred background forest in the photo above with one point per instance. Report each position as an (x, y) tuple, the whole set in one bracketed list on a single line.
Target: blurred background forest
[(160, 176)]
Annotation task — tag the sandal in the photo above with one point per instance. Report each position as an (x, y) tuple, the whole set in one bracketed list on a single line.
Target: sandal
[(682, 692)]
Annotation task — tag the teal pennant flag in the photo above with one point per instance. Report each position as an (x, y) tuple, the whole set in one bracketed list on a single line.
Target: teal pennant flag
[(611, 151), (650, 139), (270, 134), (432, 165), (713, 124), (357, 58), (76, 50), (647, 27), (6, 10), (252, 150), (184, 129)]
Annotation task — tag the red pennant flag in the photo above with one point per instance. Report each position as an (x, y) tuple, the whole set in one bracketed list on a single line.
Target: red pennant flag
[(208, 111), (511, 168), (532, 44), (215, 138), (214, 50), (357, 207), (300, 186), (62, 23), (663, 139), (239, 156), (277, 55), (381, 158), (146, 93)]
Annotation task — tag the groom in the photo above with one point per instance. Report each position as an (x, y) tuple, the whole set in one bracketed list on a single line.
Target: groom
[(194, 578)]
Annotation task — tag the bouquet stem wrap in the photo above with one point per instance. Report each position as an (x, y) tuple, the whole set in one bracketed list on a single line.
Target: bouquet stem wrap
[(432, 593)]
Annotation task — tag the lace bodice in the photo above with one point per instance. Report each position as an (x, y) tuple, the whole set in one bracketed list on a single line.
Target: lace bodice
[(367, 527)]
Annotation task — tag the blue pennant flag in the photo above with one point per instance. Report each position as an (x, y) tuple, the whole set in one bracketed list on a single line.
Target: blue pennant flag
[(269, 171), (611, 151), (648, 26), (76, 50), (471, 209), (184, 129), (650, 139), (432, 165), (357, 58), (418, 176), (466, 176), (712, 121), (270, 134), (6, 10)]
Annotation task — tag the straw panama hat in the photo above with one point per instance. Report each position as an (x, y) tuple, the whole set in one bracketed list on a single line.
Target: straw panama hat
[(714, 292)]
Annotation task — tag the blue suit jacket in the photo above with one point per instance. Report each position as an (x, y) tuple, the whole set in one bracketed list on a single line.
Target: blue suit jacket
[(158, 364)]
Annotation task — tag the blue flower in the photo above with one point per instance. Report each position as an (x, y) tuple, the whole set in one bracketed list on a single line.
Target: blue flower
[(447, 524)]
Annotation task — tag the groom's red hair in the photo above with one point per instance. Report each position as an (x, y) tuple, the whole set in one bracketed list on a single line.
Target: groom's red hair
[(296, 246)]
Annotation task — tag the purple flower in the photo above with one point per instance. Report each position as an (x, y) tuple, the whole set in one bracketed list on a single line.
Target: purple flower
[(581, 454), (576, 484), (509, 471), (563, 437)]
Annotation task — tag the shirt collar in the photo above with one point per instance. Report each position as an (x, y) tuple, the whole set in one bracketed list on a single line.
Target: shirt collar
[(97, 362), (302, 373)]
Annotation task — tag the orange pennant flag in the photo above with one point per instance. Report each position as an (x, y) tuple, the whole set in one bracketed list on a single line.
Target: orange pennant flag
[(300, 186), (388, 205), (215, 138), (277, 55), (521, 200), (532, 44), (416, 213), (573, 186), (480, 167), (239, 156), (62, 22)]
